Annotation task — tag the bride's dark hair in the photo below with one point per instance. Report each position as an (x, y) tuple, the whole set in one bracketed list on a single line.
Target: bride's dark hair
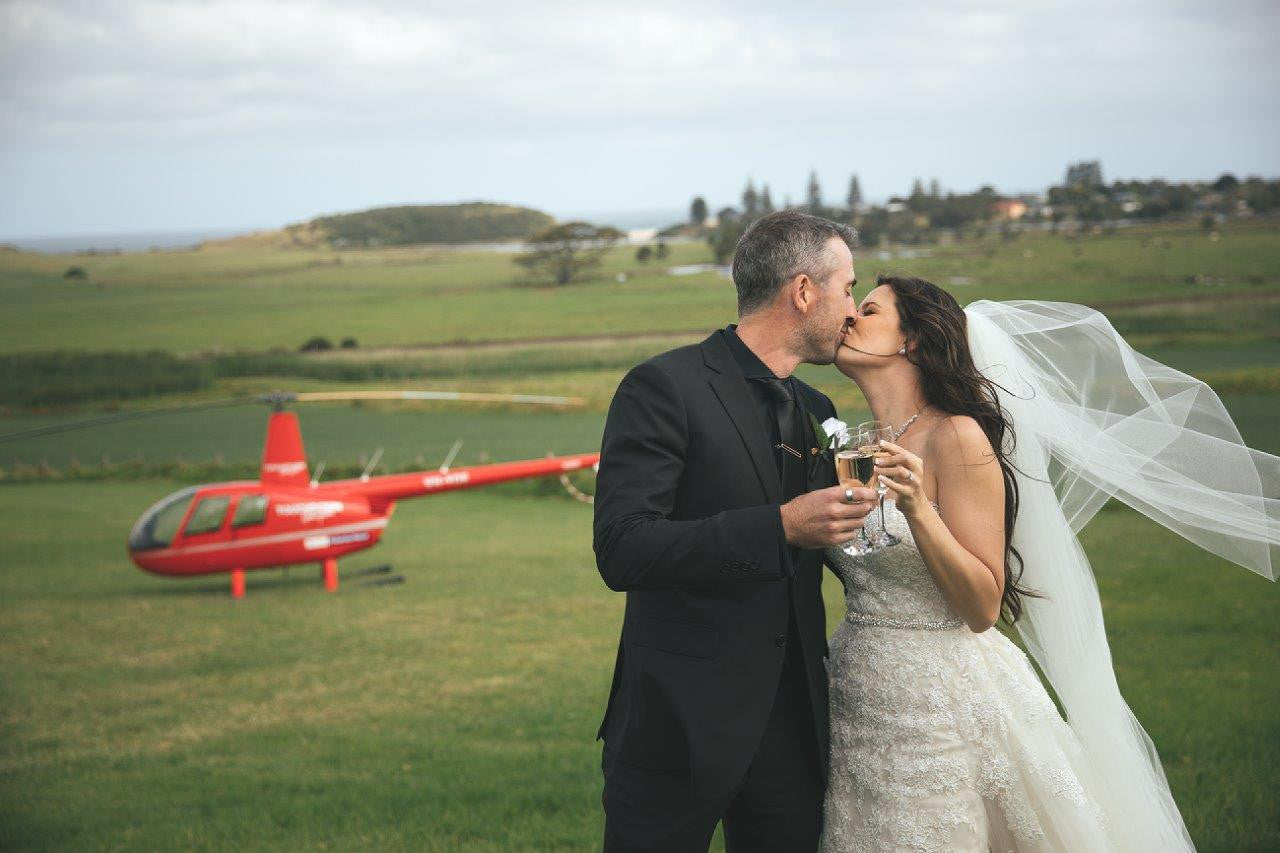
[(931, 318)]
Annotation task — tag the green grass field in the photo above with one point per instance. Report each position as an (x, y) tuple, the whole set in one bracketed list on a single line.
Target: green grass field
[(457, 711), (207, 300)]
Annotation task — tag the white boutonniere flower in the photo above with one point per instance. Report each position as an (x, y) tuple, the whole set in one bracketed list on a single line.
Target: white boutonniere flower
[(832, 434)]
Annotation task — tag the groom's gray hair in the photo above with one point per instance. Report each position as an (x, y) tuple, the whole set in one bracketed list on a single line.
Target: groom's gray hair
[(780, 246)]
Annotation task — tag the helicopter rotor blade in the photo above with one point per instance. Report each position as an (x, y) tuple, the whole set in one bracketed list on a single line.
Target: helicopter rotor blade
[(455, 396), (278, 399), (114, 417)]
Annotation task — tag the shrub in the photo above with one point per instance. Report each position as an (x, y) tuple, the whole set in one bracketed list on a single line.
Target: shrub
[(316, 344), (39, 379)]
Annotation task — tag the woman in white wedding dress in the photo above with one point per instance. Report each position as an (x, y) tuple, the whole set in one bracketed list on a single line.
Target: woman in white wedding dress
[(942, 736)]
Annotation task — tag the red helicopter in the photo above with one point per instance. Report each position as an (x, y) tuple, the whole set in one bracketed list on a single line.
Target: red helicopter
[(285, 517)]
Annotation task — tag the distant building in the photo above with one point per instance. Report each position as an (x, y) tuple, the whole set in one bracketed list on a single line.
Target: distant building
[(1009, 209)]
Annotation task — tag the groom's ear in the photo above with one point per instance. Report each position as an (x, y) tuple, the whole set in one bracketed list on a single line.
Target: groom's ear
[(800, 290)]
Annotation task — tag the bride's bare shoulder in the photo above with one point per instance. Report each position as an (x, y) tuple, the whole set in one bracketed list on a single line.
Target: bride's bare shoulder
[(959, 437)]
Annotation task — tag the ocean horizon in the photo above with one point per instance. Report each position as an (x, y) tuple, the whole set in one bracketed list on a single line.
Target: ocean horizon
[(142, 241), (137, 241)]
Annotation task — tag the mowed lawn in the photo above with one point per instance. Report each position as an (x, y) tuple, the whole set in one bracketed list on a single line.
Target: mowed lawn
[(458, 710)]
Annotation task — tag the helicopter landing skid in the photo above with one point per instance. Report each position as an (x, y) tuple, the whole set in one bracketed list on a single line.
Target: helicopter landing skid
[(329, 575)]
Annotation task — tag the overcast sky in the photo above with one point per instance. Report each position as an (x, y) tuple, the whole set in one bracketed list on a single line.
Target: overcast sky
[(139, 116)]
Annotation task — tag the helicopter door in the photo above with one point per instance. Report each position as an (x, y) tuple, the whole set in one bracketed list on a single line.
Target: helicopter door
[(251, 510), (208, 516)]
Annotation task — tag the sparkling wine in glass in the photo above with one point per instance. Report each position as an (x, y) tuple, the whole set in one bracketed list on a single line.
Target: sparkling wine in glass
[(855, 466), (876, 431)]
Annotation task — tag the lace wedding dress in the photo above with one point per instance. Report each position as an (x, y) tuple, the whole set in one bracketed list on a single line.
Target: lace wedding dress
[(942, 739)]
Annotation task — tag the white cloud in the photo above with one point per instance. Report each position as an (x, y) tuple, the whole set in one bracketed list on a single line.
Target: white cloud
[(704, 91)]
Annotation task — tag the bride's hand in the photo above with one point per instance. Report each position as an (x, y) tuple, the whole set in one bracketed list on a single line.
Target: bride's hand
[(903, 473)]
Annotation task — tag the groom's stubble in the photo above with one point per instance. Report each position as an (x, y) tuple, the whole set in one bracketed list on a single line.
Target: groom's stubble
[(814, 341)]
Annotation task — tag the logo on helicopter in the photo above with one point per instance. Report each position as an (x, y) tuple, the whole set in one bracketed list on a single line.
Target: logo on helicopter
[(433, 481), (310, 510), (316, 543), (285, 469)]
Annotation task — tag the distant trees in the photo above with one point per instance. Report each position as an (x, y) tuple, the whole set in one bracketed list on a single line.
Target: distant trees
[(1227, 183), (724, 239), (813, 195), (76, 273), (854, 198), (1087, 173), (766, 200), (750, 200), (563, 253), (927, 214), (698, 211)]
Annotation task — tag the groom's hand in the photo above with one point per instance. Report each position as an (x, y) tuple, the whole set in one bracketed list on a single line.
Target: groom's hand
[(825, 517)]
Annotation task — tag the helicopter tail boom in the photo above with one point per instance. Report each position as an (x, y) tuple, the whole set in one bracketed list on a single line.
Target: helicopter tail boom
[(392, 487)]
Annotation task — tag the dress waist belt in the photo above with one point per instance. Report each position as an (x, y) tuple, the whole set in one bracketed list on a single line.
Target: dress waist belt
[(891, 622)]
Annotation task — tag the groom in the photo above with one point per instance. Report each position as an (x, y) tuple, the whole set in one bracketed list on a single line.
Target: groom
[(712, 507)]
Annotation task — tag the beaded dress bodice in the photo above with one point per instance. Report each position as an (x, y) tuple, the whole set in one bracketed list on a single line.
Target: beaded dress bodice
[(891, 587), (941, 738)]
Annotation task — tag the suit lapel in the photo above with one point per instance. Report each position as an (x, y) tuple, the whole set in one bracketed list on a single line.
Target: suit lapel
[(731, 390)]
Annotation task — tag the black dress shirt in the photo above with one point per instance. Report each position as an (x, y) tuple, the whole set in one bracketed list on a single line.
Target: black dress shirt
[(753, 369)]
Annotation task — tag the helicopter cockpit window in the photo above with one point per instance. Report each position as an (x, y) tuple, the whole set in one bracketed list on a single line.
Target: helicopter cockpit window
[(252, 509), (157, 526), (208, 516)]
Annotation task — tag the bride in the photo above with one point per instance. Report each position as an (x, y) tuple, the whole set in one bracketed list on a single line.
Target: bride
[(1014, 423)]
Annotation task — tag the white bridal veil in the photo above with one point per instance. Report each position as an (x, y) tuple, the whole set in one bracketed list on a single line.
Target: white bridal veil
[(1094, 419)]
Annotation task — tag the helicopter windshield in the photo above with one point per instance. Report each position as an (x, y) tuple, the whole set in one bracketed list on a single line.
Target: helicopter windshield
[(157, 526)]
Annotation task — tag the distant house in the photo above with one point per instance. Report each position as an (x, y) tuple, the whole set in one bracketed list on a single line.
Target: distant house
[(1009, 209)]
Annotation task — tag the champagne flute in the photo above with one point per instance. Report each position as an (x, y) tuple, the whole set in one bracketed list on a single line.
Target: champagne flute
[(876, 431), (855, 466)]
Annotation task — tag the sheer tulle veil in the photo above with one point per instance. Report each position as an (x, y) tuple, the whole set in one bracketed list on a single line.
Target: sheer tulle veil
[(1094, 419)]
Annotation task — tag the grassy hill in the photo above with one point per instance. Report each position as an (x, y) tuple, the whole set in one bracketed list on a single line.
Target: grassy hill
[(406, 225)]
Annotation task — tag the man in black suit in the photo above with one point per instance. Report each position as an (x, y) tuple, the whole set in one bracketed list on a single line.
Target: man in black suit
[(712, 506)]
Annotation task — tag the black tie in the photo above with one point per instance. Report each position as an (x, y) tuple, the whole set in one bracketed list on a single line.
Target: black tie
[(791, 434)]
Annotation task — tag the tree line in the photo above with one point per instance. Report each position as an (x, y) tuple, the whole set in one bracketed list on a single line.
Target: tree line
[(928, 214)]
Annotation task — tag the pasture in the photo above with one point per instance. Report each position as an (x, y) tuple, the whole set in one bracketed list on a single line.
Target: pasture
[(457, 711), (197, 301)]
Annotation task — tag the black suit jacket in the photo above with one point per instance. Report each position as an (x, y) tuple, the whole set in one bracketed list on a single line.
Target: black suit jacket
[(687, 524)]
